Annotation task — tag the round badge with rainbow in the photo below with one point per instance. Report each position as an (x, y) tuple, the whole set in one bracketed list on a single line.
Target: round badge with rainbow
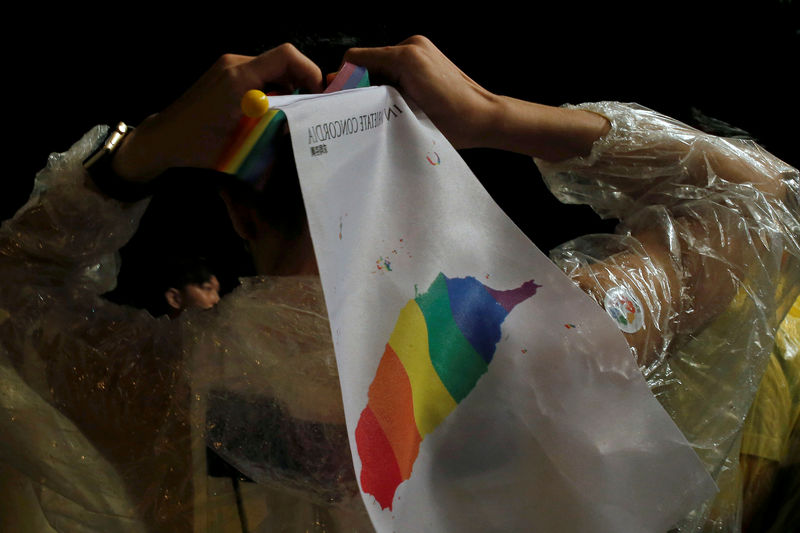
[(622, 306)]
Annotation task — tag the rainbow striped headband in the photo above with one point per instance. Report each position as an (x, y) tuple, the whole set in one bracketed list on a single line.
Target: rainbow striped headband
[(250, 154)]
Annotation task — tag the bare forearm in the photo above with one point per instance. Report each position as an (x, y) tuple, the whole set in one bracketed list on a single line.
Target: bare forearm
[(469, 115), (545, 132)]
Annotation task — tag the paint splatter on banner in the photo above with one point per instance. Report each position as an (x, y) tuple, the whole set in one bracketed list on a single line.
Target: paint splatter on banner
[(442, 343)]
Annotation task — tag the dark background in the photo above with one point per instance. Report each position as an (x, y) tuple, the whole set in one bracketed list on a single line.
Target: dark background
[(737, 63)]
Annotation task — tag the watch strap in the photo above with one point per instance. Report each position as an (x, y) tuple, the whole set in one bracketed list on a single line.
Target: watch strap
[(98, 166)]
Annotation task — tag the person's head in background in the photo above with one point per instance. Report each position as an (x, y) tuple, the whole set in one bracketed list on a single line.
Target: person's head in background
[(273, 220), (188, 284)]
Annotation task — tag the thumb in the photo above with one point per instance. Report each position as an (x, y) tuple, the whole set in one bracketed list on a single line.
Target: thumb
[(378, 61), (286, 64)]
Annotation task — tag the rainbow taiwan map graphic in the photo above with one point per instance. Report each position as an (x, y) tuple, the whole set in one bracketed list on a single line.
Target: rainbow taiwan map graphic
[(442, 343)]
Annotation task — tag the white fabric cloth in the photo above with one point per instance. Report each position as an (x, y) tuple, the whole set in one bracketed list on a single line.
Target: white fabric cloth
[(505, 445)]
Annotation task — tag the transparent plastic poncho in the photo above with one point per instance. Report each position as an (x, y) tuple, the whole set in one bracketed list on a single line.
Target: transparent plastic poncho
[(708, 242), (108, 414)]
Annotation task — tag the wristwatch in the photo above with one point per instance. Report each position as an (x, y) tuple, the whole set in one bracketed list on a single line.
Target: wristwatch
[(98, 166)]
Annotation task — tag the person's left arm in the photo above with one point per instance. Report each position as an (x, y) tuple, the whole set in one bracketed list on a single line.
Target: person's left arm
[(698, 211)]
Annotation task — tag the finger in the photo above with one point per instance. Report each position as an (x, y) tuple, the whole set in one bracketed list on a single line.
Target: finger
[(232, 60), (287, 65), (330, 77), (418, 40), (381, 61)]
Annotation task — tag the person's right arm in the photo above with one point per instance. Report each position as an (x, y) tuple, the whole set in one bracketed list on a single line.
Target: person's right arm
[(71, 227), (193, 131)]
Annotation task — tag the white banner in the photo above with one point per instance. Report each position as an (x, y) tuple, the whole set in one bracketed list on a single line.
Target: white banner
[(483, 390)]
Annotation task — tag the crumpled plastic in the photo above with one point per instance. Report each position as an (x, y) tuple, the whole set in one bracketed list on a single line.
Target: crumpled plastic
[(107, 414), (264, 361), (708, 241)]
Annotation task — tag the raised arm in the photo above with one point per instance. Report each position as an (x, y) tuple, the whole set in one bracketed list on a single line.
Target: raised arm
[(112, 383), (75, 230), (192, 132), (681, 259), (469, 115)]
